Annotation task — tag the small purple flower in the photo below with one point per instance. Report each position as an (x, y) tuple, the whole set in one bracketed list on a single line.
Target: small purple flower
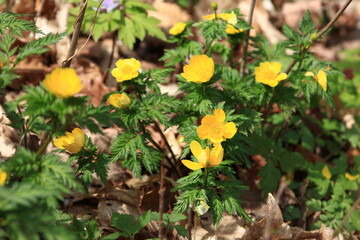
[(109, 5)]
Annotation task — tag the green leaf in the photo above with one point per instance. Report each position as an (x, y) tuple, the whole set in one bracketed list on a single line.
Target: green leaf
[(127, 32), (138, 4), (124, 222), (290, 33), (115, 236), (150, 24), (306, 24), (142, 220), (38, 46), (314, 205)]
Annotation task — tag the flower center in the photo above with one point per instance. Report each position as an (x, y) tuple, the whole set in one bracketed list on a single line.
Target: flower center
[(127, 69), (217, 130)]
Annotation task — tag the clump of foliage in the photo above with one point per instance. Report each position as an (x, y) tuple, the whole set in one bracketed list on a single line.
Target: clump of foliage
[(225, 118)]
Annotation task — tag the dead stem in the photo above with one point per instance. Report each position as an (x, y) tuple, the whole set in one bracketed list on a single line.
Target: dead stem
[(106, 73), (166, 141), (75, 37), (246, 44)]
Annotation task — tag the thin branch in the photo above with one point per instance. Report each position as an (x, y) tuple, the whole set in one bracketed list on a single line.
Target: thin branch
[(166, 141), (75, 36), (243, 62), (323, 30), (335, 18), (106, 73), (81, 15)]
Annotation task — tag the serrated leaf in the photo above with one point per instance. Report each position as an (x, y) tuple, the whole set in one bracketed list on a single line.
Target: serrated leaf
[(124, 222), (127, 33), (306, 24), (138, 4), (142, 220), (150, 24)]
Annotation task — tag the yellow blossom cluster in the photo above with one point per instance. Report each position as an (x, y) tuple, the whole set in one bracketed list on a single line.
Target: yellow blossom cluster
[(63, 82), (126, 69), (199, 70), (230, 18), (73, 141), (325, 171), (320, 77), (269, 73), (216, 130), (177, 29), (119, 100)]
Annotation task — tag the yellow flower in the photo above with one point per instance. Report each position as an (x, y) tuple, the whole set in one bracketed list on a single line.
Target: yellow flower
[(320, 78), (269, 73), (351, 177), (230, 18), (178, 28), (206, 157), (230, 29), (63, 82), (214, 127), (199, 70), (119, 100), (126, 69), (3, 176), (326, 172), (72, 142)]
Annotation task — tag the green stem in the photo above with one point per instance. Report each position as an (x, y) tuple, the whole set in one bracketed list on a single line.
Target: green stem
[(44, 145), (206, 175)]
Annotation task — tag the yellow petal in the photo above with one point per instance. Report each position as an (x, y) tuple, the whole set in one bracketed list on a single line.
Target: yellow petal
[(322, 80), (178, 28), (326, 172), (126, 69), (199, 70), (230, 129), (275, 66), (203, 131), (63, 82), (214, 139), (209, 17), (3, 176), (59, 142), (79, 137), (351, 177), (219, 115), (119, 100), (196, 149), (216, 155), (191, 165), (204, 157), (208, 120), (281, 76), (309, 74)]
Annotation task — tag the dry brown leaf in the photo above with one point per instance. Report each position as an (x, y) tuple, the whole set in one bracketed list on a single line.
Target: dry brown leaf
[(272, 223), (91, 78), (164, 11)]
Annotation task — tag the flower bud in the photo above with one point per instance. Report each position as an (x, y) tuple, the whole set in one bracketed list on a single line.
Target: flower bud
[(214, 6)]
